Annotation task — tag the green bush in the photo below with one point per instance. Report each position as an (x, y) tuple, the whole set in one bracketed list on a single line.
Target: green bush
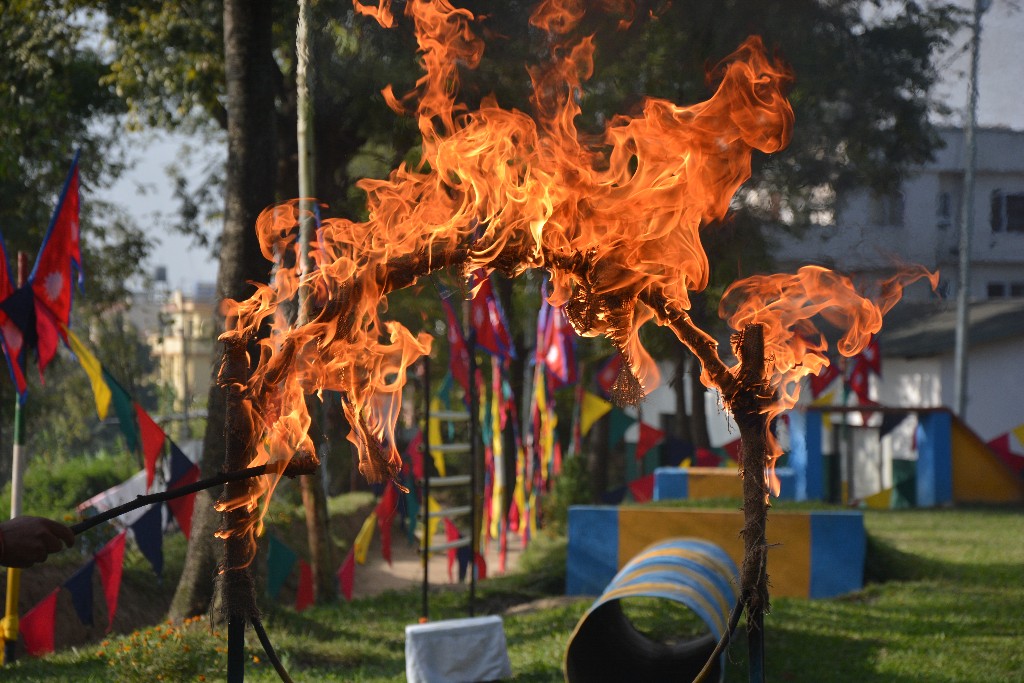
[(191, 650), (56, 490)]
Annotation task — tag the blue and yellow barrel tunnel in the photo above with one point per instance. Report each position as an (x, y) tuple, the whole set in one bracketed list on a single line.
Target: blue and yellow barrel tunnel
[(606, 646)]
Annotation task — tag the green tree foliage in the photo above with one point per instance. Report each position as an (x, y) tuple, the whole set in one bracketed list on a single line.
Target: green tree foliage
[(51, 103)]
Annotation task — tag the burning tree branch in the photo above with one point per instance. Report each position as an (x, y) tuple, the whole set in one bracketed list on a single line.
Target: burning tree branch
[(615, 219)]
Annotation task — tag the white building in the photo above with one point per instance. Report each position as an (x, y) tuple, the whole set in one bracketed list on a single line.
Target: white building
[(918, 222)]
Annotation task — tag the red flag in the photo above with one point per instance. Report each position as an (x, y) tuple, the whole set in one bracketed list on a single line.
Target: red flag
[(859, 382), (823, 379), (347, 575), (642, 488), (458, 353), (10, 336), (871, 356), (502, 548), (1001, 447), (304, 594), (558, 347), (182, 507), (649, 436), (51, 277), (152, 442), (733, 449), (414, 454), (608, 373), (489, 321), (451, 533), (37, 625), (110, 560), (183, 473), (386, 509), (705, 457), (481, 567)]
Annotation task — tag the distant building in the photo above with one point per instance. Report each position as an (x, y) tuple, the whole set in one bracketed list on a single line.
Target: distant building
[(918, 222), (183, 343)]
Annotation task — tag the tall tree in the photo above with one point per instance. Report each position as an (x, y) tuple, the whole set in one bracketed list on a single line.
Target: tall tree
[(249, 71), (52, 102)]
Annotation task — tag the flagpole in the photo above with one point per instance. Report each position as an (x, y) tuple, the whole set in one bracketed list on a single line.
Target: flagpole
[(10, 620)]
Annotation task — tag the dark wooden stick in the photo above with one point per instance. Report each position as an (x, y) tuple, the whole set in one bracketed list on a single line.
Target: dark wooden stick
[(162, 496), (261, 633)]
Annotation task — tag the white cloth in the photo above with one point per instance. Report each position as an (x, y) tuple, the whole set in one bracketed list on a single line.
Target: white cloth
[(457, 651)]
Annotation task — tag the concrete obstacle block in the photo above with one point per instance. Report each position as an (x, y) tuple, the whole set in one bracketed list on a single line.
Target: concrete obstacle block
[(816, 554), (457, 651)]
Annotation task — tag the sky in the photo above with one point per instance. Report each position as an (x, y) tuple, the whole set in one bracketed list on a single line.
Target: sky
[(1001, 103)]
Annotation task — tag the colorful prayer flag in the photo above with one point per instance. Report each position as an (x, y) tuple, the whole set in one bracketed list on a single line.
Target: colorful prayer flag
[(152, 438), (649, 437), (347, 575), (183, 473), (304, 593), (489, 321), (37, 624), (642, 488), (608, 373), (280, 561), (79, 585), (11, 338), (110, 561), (52, 276), (364, 537), (148, 531), (593, 409), (92, 367)]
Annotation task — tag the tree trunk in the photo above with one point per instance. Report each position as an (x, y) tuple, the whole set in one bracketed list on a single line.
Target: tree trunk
[(249, 188)]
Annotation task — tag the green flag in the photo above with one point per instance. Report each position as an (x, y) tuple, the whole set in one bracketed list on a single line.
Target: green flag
[(280, 560), (125, 409)]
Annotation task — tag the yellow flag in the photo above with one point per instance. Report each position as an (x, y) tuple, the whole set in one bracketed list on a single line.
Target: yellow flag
[(1018, 431), (363, 538), (593, 409), (879, 501), (434, 433), (498, 453), (92, 367)]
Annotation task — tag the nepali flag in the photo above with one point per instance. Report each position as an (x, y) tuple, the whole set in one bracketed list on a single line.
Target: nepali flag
[(488, 318), (58, 264), (608, 373), (557, 348), (458, 352), (11, 338)]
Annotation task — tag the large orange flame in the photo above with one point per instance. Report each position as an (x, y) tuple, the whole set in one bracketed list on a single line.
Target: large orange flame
[(616, 220)]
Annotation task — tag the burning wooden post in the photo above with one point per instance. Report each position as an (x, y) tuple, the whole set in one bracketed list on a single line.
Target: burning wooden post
[(239, 596), (749, 412)]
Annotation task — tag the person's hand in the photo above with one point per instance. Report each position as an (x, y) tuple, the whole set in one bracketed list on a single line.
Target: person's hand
[(25, 541)]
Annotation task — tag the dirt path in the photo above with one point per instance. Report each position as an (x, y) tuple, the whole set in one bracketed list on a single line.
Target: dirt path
[(406, 568)]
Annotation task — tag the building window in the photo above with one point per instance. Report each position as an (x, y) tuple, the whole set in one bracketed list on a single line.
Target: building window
[(1007, 211), (1000, 290), (996, 290), (887, 209), (944, 209)]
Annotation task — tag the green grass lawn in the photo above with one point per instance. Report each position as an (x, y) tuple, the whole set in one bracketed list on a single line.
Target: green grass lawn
[(946, 604)]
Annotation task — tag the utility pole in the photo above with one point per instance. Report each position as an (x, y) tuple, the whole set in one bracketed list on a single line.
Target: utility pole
[(967, 220), (314, 497)]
